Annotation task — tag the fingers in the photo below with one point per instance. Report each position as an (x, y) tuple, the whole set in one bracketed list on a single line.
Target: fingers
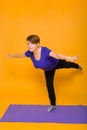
[(10, 56), (74, 58)]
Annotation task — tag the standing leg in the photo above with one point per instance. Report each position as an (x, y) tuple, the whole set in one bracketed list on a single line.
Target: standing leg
[(49, 76)]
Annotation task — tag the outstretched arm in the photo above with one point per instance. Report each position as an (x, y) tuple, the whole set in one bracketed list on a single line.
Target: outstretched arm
[(20, 55), (63, 57)]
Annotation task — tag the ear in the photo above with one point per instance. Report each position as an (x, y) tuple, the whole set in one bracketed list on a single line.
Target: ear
[(38, 44)]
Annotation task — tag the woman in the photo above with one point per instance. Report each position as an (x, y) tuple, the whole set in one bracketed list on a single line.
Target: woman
[(47, 60)]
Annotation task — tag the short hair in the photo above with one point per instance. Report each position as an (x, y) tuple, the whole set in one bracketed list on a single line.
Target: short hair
[(33, 39)]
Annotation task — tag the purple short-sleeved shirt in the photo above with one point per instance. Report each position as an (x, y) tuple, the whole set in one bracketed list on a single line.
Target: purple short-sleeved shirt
[(46, 62)]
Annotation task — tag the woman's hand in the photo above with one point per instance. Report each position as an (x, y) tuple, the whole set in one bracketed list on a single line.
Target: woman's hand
[(10, 55), (63, 57), (73, 58), (20, 55)]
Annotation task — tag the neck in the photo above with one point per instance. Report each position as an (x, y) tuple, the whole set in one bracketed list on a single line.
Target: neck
[(36, 50)]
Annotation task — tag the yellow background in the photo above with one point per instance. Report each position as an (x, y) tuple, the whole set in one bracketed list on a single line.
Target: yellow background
[(62, 27)]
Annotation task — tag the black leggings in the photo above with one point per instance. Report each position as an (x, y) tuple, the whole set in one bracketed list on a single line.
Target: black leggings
[(49, 76)]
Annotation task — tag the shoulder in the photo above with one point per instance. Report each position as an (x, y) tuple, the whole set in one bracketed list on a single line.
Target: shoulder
[(27, 53), (46, 48)]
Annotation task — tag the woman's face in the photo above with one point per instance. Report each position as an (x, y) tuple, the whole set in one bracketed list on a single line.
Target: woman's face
[(31, 46)]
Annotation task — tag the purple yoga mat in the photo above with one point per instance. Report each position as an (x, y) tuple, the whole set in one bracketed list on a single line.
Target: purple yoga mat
[(38, 113)]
